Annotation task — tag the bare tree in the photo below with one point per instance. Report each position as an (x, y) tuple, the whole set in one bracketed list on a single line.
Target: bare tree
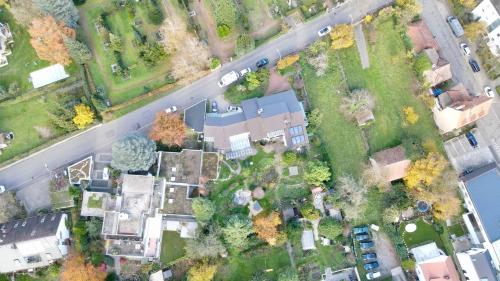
[(351, 196), (9, 207), (24, 11), (356, 101)]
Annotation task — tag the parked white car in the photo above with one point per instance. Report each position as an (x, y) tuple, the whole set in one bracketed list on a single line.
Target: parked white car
[(232, 108), (465, 49), (2, 189), (373, 275), (324, 31), (245, 71), (489, 92), (171, 109), (228, 79), (105, 173)]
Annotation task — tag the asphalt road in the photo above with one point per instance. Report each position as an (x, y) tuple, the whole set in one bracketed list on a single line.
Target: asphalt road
[(37, 166), (434, 13)]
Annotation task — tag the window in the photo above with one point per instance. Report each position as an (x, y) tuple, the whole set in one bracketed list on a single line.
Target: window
[(297, 130), (298, 140)]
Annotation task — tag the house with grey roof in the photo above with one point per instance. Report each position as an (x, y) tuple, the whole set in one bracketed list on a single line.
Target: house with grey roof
[(194, 116), (279, 117), (481, 191), (476, 265), (33, 242)]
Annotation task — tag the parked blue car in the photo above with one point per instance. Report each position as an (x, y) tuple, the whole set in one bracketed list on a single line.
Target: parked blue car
[(371, 266), (369, 256), (472, 139), (360, 230), (366, 245), (362, 237)]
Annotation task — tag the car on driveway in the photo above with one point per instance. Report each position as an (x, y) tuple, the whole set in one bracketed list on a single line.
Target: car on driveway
[(489, 92), (262, 62), (2, 189), (324, 31), (373, 275), (366, 245), (371, 265), (214, 107), (472, 139), (360, 230), (233, 108), (228, 79), (369, 256), (474, 65), (171, 109), (362, 237), (465, 49), (245, 71)]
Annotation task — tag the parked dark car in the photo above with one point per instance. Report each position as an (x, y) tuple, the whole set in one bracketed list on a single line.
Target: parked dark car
[(472, 139), (262, 62), (366, 245), (474, 65), (360, 230), (214, 107), (371, 265), (362, 237), (369, 256)]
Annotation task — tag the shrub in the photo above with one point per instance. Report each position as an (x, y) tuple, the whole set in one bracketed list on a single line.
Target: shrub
[(287, 61), (244, 44), (330, 228), (421, 64), (154, 13), (214, 63), (289, 158), (408, 264), (223, 30)]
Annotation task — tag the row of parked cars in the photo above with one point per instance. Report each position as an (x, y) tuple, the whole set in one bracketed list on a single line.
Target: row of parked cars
[(362, 235), (233, 76)]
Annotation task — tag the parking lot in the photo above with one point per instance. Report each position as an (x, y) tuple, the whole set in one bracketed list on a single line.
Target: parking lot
[(463, 156)]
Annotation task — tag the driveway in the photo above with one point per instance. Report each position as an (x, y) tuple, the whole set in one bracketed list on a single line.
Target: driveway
[(361, 44), (35, 196), (386, 254), (463, 156), (34, 167)]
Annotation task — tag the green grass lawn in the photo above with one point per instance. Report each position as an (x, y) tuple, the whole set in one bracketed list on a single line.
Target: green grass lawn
[(456, 229), (22, 118), (143, 78), (172, 247), (425, 233), (390, 79), (244, 266), (23, 59), (94, 202)]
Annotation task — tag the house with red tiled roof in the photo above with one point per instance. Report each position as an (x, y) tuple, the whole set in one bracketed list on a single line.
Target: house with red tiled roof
[(391, 164), (440, 71), (455, 108), (432, 264), (421, 37)]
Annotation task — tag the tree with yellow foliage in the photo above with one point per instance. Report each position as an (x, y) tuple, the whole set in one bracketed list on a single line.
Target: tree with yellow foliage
[(425, 170), (266, 228), (368, 19), (287, 61), (468, 4), (84, 116), (474, 30), (410, 116), (342, 36), (75, 269), (202, 271)]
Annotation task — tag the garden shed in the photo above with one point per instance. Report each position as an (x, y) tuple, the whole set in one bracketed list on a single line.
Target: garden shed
[(48, 75)]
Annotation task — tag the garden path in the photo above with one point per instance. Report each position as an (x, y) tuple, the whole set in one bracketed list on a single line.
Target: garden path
[(361, 43)]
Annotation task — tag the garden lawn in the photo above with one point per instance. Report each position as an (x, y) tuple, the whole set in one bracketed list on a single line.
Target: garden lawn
[(22, 118), (23, 59), (143, 78), (244, 266), (425, 233), (341, 139), (172, 247), (391, 79)]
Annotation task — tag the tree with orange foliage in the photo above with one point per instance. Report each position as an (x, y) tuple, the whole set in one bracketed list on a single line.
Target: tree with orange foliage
[(47, 38), (266, 228), (75, 269), (168, 128)]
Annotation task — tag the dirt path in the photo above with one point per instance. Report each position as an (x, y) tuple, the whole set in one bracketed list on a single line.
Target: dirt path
[(361, 44), (223, 49)]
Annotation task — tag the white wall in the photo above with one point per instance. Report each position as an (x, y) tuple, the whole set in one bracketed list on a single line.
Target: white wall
[(487, 13)]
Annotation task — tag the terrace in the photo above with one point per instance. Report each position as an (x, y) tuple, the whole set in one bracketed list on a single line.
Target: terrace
[(188, 166), (178, 200), (80, 171)]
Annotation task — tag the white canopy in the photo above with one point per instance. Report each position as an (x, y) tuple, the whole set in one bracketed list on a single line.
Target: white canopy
[(48, 75)]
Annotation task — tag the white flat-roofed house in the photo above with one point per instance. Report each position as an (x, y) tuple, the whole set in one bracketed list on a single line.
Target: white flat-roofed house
[(488, 13), (33, 242)]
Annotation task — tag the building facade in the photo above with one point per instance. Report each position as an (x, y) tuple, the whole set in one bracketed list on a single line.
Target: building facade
[(488, 12)]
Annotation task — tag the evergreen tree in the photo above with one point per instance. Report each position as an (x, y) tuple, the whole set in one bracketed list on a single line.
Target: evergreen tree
[(77, 50), (133, 153), (61, 10)]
